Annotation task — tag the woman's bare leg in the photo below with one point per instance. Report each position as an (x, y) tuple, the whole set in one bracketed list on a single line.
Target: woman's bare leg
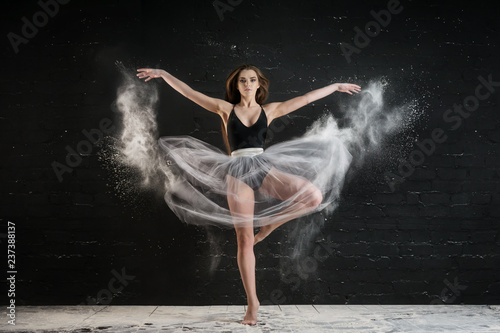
[(246, 264), (285, 186), (242, 204)]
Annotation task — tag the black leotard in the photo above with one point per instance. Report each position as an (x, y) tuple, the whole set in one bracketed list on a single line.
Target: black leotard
[(241, 136), (250, 170)]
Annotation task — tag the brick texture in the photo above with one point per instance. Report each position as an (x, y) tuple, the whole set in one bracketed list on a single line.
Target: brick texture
[(433, 237)]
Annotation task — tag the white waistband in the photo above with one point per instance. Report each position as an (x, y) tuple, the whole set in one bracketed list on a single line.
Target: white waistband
[(247, 152)]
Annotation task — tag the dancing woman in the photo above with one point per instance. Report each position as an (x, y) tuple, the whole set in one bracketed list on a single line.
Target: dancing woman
[(262, 188)]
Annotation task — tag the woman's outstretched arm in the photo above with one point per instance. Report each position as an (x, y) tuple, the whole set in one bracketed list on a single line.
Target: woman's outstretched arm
[(279, 109), (215, 105)]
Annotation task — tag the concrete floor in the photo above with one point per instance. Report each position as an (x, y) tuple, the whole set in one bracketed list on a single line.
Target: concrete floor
[(272, 318)]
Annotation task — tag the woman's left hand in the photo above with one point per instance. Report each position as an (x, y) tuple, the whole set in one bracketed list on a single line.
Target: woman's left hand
[(348, 88), (149, 73)]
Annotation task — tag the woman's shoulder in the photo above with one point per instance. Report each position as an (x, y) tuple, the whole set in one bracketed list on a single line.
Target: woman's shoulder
[(270, 108), (224, 109)]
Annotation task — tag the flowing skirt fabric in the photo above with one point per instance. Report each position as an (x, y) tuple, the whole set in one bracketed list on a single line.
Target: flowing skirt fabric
[(264, 188)]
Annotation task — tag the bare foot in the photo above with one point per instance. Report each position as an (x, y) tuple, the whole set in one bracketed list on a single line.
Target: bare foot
[(251, 315), (263, 233)]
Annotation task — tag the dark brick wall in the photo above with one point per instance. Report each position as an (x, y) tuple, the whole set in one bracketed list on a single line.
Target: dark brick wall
[(427, 234)]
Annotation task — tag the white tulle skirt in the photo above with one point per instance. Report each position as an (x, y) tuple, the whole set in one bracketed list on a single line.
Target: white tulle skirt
[(254, 187), (199, 182)]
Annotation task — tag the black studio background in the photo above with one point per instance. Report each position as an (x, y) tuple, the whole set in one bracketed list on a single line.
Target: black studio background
[(80, 239)]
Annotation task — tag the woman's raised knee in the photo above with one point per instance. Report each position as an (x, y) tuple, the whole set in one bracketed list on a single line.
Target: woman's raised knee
[(314, 197)]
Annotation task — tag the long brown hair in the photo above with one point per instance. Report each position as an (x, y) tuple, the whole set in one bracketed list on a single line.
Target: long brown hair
[(233, 95)]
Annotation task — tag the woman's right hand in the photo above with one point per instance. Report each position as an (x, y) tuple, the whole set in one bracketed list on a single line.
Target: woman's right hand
[(149, 73)]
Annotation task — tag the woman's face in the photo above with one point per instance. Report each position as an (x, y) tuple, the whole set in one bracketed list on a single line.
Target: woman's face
[(248, 82)]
